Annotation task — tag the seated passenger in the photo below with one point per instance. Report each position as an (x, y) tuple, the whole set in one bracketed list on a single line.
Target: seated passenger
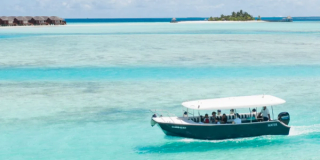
[(201, 119), (206, 119), (254, 111), (214, 118), (231, 111), (223, 119), (219, 112), (237, 120), (253, 115), (185, 114)]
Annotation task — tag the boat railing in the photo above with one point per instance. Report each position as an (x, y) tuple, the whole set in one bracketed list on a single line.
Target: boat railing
[(161, 112)]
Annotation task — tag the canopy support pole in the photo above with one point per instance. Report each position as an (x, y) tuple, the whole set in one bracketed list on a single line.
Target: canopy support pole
[(193, 114), (250, 115), (272, 113)]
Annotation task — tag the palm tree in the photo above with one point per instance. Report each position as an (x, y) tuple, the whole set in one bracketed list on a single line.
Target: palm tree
[(234, 14), (246, 14)]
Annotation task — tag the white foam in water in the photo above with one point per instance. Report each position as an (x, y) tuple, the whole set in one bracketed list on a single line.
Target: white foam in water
[(301, 130), (189, 140)]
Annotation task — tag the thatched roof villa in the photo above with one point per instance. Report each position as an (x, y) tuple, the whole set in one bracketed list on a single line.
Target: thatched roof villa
[(29, 20), (38, 20), (21, 20), (56, 20)]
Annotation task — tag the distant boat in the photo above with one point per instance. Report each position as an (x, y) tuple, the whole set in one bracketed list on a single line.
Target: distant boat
[(287, 19), (173, 20)]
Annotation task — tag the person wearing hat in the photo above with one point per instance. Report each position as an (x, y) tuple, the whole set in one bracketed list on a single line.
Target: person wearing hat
[(265, 114), (219, 112)]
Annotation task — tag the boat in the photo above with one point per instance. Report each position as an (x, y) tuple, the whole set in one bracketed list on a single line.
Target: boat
[(190, 125)]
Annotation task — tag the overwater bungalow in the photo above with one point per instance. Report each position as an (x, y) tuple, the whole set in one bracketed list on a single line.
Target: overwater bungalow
[(46, 19), (4, 21), (21, 21), (38, 20), (29, 20), (11, 21), (56, 20)]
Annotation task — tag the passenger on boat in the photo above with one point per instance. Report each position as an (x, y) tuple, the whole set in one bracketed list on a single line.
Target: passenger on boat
[(253, 115), (265, 114), (223, 119), (254, 111), (214, 118), (219, 112), (237, 120), (185, 114), (206, 119), (231, 111)]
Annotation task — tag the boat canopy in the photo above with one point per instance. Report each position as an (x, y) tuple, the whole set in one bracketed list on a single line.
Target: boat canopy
[(234, 102)]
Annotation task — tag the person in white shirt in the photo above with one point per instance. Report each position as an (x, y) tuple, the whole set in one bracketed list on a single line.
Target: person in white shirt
[(265, 114)]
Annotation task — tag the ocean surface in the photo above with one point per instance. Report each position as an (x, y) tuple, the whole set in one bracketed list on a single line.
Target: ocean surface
[(84, 90), (150, 20)]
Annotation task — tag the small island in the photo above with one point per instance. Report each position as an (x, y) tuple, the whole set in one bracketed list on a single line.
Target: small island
[(235, 16)]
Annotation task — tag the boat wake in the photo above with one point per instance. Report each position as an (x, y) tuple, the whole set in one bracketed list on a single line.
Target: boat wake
[(302, 130), (294, 131), (236, 140)]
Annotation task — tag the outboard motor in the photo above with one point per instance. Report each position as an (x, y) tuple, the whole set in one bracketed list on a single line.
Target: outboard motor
[(152, 121), (284, 117)]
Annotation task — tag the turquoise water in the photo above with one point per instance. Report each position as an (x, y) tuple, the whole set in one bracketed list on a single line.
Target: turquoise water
[(83, 91)]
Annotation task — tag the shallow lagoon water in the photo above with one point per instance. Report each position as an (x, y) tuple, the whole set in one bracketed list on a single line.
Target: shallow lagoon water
[(83, 91)]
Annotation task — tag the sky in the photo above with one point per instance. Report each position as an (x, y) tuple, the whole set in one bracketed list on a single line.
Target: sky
[(157, 8)]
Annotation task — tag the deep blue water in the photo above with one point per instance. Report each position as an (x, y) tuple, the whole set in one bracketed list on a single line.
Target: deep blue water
[(126, 20), (137, 20)]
